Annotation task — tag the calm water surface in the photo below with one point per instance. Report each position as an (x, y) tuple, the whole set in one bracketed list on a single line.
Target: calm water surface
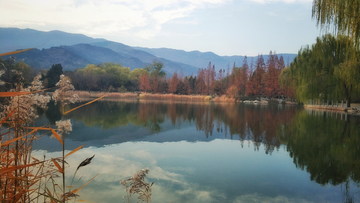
[(209, 152)]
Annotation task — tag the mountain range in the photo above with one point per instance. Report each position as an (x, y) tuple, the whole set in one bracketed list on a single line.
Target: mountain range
[(77, 50)]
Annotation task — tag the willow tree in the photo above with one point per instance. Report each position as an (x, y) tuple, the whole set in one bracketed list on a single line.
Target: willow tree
[(327, 70), (343, 16), (287, 83)]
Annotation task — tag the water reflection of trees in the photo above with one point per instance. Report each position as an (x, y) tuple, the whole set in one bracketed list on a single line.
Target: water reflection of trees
[(260, 124), (109, 114), (327, 146)]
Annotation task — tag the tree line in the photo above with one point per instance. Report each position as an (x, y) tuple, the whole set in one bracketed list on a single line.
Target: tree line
[(327, 71), (254, 80)]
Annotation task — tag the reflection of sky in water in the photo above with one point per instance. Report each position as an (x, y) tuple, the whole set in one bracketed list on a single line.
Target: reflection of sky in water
[(216, 171), (188, 164)]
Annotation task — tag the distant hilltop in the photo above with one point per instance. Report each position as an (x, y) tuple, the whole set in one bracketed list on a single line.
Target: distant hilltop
[(77, 50)]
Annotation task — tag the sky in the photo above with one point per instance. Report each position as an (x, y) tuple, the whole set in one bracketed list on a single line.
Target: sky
[(225, 27)]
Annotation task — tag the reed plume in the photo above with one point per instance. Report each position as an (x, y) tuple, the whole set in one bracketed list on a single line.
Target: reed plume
[(137, 185)]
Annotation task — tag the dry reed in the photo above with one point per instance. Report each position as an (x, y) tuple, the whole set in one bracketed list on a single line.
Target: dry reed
[(115, 96), (224, 98), (94, 94), (137, 185), (175, 97)]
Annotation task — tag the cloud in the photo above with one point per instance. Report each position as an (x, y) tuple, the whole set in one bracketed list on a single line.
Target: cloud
[(116, 163), (92, 17), (286, 1)]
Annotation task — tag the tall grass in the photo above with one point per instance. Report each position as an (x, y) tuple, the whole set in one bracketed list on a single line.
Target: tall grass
[(23, 178), (113, 96)]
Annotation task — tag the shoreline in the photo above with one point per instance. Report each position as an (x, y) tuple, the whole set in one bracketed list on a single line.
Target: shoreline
[(150, 96), (132, 96), (334, 108)]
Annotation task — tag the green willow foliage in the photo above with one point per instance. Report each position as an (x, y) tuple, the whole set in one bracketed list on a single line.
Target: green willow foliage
[(341, 15), (328, 70)]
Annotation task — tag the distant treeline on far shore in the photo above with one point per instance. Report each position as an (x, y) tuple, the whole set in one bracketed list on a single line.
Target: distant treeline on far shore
[(260, 78), (326, 71)]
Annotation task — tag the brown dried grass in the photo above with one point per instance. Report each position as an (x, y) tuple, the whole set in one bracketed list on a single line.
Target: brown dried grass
[(159, 96), (224, 98), (95, 94), (129, 96)]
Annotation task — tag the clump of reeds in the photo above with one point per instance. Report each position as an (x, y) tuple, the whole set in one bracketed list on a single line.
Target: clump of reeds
[(137, 185), (24, 178), (17, 169)]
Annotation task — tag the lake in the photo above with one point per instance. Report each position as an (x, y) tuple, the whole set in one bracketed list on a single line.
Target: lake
[(211, 152)]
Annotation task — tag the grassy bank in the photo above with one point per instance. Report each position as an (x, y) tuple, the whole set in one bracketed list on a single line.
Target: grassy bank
[(116, 95), (175, 97), (95, 94)]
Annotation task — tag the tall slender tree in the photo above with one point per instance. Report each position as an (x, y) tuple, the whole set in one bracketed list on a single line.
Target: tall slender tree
[(272, 88), (243, 76), (200, 82), (157, 74), (144, 82), (53, 75), (173, 83), (258, 76)]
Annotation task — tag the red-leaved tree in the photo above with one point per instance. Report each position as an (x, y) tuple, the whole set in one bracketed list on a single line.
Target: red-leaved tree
[(144, 82), (173, 83)]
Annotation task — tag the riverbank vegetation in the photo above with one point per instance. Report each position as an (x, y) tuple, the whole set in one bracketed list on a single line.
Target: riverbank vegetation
[(259, 79), (329, 70), (254, 80)]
